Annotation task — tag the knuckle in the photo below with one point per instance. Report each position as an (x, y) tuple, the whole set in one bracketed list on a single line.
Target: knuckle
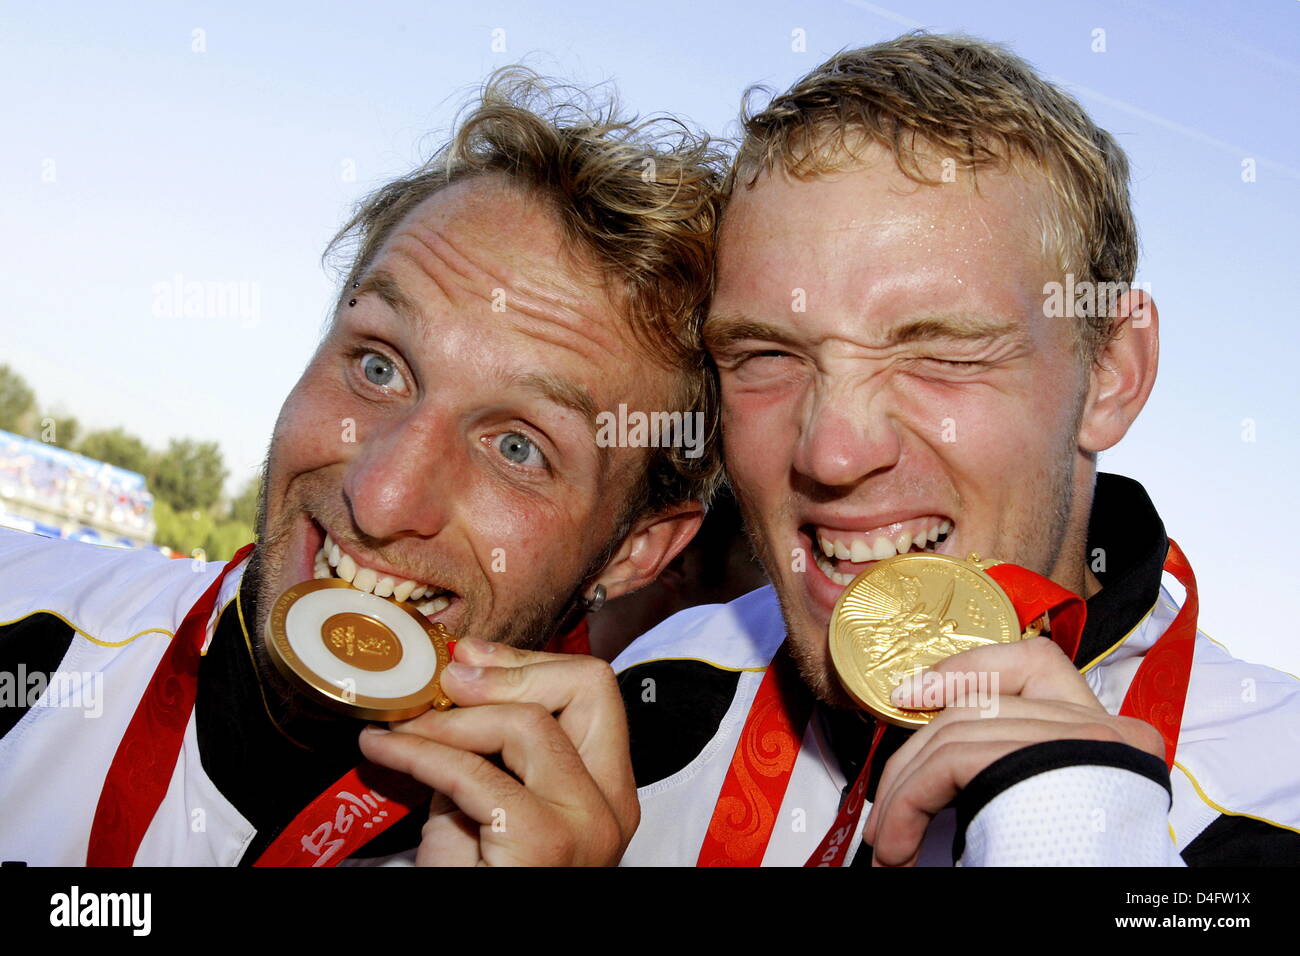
[(512, 676), (595, 672), (609, 837), (1144, 735), (530, 717), (1041, 649)]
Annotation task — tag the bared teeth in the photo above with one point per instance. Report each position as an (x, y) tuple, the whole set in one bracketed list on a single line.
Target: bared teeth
[(839, 577), (434, 605), (365, 580), (859, 548), (331, 561)]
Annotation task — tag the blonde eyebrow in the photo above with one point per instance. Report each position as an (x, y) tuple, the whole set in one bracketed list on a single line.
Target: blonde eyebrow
[(724, 330), (955, 327), (386, 287), (560, 391)]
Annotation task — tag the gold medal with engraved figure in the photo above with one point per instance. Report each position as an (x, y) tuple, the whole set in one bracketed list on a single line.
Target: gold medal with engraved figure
[(905, 614)]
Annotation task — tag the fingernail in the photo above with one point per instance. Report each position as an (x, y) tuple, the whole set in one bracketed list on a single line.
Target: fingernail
[(478, 646), (464, 671), (376, 729)]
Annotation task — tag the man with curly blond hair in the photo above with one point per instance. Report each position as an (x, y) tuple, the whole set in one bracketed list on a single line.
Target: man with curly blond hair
[(549, 266)]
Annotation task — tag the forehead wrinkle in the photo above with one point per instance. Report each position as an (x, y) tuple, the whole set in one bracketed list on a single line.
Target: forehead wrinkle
[(556, 305)]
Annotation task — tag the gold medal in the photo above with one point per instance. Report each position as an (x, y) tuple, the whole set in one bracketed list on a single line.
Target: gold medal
[(363, 655), (905, 614)]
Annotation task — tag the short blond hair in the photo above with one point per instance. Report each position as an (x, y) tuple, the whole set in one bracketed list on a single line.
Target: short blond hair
[(926, 96), (641, 198)]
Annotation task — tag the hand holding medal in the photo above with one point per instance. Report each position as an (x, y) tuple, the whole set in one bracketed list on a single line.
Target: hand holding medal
[(905, 614), (917, 613)]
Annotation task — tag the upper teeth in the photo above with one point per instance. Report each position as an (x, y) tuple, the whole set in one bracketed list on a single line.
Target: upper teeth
[(372, 582), (876, 546)]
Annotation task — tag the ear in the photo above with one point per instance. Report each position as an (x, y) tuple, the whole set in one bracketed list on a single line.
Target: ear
[(649, 547), (1124, 373)]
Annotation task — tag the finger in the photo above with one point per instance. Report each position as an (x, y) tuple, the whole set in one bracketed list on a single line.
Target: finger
[(449, 837), (583, 694), (471, 782), (495, 654), (926, 790), (1035, 668), (530, 741)]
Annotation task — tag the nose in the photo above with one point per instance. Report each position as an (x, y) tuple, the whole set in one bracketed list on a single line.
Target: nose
[(847, 435), (400, 479)]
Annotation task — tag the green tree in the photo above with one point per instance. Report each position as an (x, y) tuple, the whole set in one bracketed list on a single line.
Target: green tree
[(17, 402), (189, 475), (181, 531), (116, 447), (227, 538)]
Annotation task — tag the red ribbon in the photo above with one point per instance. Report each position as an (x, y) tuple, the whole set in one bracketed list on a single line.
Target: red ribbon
[(146, 758), (1033, 596)]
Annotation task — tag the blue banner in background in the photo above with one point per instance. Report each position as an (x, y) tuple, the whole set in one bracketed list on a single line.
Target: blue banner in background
[(49, 490)]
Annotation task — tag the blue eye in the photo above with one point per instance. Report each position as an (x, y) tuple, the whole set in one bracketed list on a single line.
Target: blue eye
[(520, 449), (381, 371)]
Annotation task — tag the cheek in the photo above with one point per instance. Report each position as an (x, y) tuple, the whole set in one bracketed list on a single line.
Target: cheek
[(313, 427), (759, 432), (520, 539)]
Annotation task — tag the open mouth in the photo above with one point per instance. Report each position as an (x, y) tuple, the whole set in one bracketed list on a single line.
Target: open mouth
[(331, 561), (842, 555)]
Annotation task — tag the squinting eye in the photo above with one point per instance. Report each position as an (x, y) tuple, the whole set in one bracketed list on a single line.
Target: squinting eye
[(381, 371), (520, 450)]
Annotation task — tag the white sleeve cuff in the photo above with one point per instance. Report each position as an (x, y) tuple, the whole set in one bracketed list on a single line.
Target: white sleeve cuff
[(1068, 803)]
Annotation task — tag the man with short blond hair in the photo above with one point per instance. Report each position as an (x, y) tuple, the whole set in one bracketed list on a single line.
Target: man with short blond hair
[(904, 372)]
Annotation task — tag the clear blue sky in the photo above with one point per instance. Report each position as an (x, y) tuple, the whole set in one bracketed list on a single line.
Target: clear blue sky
[(228, 165)]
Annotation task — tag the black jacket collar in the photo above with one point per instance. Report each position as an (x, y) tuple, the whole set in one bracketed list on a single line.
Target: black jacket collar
[(1126, 551)]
